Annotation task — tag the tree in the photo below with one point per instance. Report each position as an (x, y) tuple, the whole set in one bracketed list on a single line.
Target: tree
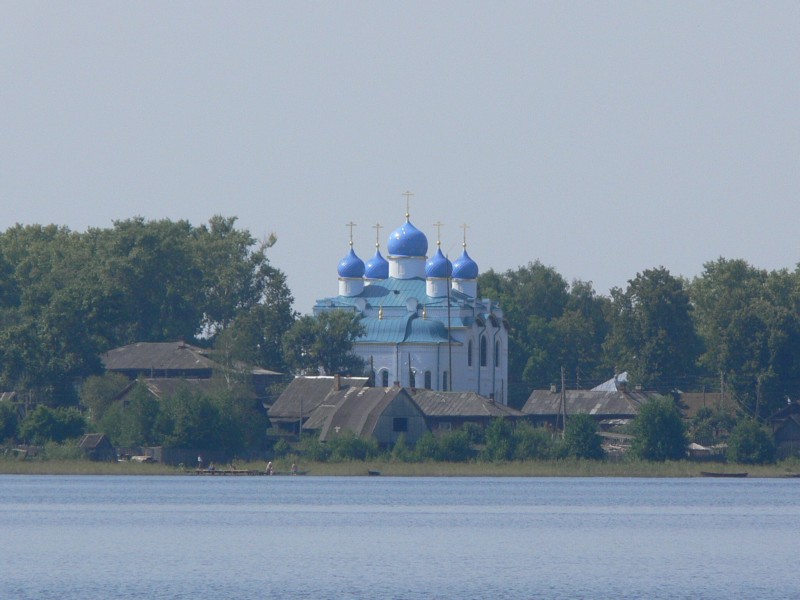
[(750, 323), (46, 424), (659, 431), (552, 323), (8, 421), (581, 439), (652, 333), (98, 393), (750, 443), (324, 343)]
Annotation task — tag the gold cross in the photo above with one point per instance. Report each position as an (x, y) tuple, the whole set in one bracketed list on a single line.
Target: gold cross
[(408, 203), (465, 227), (438, 226), (350, 225), (377, 228)]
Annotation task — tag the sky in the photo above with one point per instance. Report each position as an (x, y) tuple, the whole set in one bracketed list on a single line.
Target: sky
[(600, 138)]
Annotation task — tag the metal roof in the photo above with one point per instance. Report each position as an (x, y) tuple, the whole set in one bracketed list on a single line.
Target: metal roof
[(392, 292)]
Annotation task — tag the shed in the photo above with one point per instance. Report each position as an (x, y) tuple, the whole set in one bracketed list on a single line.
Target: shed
[(97, 446)]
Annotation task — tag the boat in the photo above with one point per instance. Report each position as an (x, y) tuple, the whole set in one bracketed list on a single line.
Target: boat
[(721, 474), (373, 473)]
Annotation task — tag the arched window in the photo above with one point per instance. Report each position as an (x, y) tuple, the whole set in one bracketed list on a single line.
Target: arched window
[(497, 354), (469, 354), (384, 378), (444, 381), (484, 358), (427, 380), (412, 378)]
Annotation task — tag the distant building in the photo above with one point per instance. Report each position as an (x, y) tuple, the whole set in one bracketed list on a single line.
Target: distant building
[(425, 325), (97, 446)]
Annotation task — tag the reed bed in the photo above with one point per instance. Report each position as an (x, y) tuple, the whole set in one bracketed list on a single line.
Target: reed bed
[(556, 468)]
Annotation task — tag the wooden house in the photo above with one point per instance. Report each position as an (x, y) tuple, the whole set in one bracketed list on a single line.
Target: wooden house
[(608, 407), (303, 395), (786, 430), (382, 413), (445, 411)]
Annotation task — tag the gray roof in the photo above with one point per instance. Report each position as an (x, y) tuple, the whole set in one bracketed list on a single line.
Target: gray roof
[(162, 356), (461, 405), (358, 409), (90, 441), (601, 404), (304, 394)]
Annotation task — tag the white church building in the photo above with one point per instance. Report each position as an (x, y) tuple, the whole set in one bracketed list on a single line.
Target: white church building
[(425, 325)]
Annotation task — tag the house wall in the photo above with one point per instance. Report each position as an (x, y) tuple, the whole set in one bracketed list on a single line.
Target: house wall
[(400, 407)]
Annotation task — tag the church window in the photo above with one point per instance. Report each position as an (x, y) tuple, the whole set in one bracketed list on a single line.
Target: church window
[(484, 358), (384, 378), (469, 354), (412, 379), (444, 381), (496, 354), (427, 380)]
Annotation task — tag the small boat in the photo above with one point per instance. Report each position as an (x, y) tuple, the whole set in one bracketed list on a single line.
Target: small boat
[(721, 474), (373, 473)]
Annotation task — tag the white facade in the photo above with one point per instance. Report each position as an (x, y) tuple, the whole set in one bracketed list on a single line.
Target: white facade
[(423, 327)]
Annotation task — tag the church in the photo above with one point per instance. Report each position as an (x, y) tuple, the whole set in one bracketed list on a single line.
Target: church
[(425, 326)]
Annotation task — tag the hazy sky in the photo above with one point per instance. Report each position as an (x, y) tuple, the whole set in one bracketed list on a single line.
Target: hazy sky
[(600, 138)]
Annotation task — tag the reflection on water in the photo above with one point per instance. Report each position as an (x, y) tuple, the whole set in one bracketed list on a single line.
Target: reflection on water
[(314, 537)]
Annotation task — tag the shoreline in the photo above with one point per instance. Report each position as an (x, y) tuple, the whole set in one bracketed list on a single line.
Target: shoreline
[(561, 468)]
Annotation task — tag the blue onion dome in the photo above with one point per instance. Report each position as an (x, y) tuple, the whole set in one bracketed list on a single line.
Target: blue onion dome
[(464, 267), (377, 267), (438, 266), (407, 240), (351, 266)]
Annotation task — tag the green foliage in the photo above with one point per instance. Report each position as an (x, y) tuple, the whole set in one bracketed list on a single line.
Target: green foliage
[(499, 442), (281, 448), (532, 443), (46, 424), (312, 449), (99, 392), (9, 421), (474, 432), (659, 431), (450, 446), (324, 342), (552, 325), (750, 443), (652, 333), (581, 439), (348, 446), (749, 320), (401, 452), (132, 422), (708, 425), (67, 450), (66, 297), (427, 447)]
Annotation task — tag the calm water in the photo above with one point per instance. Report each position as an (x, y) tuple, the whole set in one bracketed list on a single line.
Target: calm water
[(311, 537)]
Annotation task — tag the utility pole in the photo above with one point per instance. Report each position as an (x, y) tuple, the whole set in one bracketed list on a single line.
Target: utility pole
[(563, 404)]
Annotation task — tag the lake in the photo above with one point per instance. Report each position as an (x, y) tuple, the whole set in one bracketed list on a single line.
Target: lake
[(79, 537)]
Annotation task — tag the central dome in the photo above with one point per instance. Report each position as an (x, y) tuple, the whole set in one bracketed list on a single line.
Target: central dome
[(407, 240)]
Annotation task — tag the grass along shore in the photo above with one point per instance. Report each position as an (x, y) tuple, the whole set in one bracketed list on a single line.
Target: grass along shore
[(556, 468)]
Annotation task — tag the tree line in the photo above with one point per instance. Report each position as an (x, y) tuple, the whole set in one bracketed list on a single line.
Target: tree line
[(67, 297), (733, 326)]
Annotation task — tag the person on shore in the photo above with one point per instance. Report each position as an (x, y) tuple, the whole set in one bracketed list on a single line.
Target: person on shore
[(294, 469), (269, 468)]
